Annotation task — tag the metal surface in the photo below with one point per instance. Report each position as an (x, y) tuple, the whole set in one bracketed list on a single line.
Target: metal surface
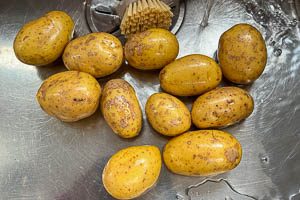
[(43, 158)]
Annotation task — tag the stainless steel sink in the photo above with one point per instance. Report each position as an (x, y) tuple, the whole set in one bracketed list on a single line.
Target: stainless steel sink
[(43, 158)]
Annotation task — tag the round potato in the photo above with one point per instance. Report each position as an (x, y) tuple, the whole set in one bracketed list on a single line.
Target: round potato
[(121, 108), (42, 41), (151, 49), (202, 153), (190, 75), (167, 114), (69, 96), (222, 107), (132, 171), (242, 54), (99, 54)]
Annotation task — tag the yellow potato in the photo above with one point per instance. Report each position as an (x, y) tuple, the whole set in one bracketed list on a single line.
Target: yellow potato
[(99, 54), (151, 49), (190, 75), (132, 171), (167, 114), (222, 107), (121, 108), (69, 96), (42, 41), (242, 54), (202, 153)]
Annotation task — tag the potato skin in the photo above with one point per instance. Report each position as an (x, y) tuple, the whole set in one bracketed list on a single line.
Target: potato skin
[(121, 108), (222, 107), (69, 96), (242, 54), (151, 49), (132, 171), (168, 115), (99, 54), (202, 153), (42, 41), (190, 75)]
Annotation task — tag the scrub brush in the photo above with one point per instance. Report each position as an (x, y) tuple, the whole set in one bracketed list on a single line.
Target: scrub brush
[(141, 15)]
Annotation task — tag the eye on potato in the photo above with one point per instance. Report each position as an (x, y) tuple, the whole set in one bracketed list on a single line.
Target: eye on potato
[(222, 107), (121, 108), (190, 75), (151, 49), (132, 171), (69, 96), (202, 153), (242, 54), (42, 41), (167, 115), (99, 54)]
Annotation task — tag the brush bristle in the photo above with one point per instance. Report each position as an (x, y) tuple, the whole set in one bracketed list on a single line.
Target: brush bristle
[(144, 14)]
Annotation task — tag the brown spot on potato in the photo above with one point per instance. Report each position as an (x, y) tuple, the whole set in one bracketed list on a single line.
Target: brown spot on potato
[(231, 155)]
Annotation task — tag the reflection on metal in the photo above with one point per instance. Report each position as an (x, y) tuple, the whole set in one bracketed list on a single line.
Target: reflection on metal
[(106, 15), (205, 193)]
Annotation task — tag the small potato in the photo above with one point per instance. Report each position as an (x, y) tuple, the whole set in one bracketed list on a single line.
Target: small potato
[(190, 75), (151, 49), (42, 41), (99, 54), (202, 153), (242, 54), (69, 96), (132, 171), (167, 114), (121, 108), (222, 107)]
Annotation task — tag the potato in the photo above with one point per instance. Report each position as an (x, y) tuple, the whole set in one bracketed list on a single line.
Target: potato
[(222, 107), (121, 108), (69, 96), (132, 171), (242, 54), (167, 114), (152, 49), (99, 54), (202, 153), (42, 41), (190, 75)]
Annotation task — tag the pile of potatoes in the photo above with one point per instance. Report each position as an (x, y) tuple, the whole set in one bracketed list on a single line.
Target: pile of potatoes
[(76, 94)]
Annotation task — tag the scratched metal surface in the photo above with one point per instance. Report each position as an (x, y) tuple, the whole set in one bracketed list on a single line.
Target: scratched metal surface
[(43, 158)]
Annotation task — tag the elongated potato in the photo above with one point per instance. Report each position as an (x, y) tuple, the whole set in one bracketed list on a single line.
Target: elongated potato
[(222, 107), (99, 54), (167, 114), (151, 49), (69, 96), (202, 153), (132, 171), (242, 54), (121, 108), (42, 41), (190, 75)]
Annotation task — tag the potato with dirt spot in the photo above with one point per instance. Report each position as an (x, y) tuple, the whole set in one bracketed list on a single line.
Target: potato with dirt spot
[(121, 108), (99, 54), (222, 107), (190, 75), (168, 115), (132, 171), (202, 153), (42, 41), (151, 49), (69, 96), (242, 54)]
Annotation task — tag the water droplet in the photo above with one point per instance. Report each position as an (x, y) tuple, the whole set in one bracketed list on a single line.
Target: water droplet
[(261, 101), (279, 99), (264, 159), (277, 52)]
